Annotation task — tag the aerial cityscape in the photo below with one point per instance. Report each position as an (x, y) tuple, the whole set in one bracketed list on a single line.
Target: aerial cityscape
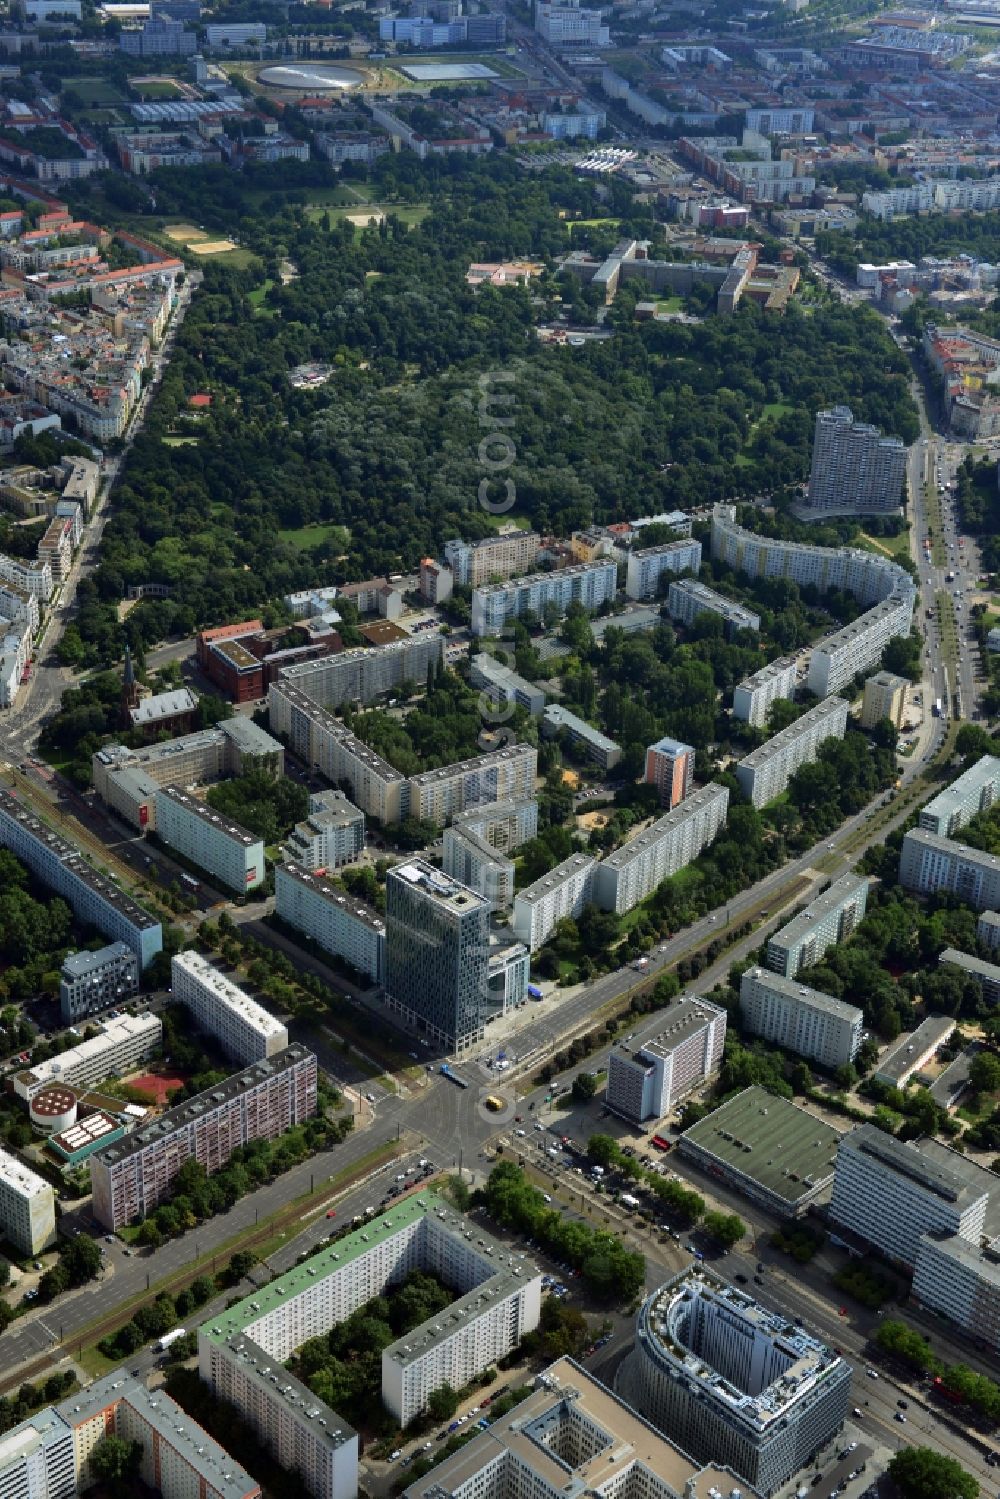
[(499, 749)]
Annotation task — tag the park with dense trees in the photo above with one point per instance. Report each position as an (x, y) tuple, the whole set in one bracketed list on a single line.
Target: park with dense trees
[(273, 488)]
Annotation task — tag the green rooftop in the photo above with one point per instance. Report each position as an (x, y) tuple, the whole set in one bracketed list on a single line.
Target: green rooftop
[(772, 1142), (334, 1257)]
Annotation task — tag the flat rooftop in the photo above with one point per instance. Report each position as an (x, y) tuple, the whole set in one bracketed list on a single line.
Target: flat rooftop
[(954, 847), (774, 1142), (25, 1182), (561, 718), (466, 767), (74, 862), (529, 580), (317, 884), (446, 891), (975, 966), (672, 1029), (928, 1036), (691, 806), (716, 602), (193, 1109), (550, 881), (829, 708), (228, 994), (504, 1271), (632, 1452), (663, 1322), (111, 1035), (317, 714), (205, 814), (954, 800), (842, 890), (941, 1171), (801, 994), (76, 965), (173, 1425)]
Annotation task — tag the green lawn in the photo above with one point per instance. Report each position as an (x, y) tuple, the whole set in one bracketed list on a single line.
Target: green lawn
[(590, 223), (309, 537), (669, 304), (240, 258), (93, 90), (522, 522), (259, 293), (407, 213), (155, 89), (895, 546), (774, 409)]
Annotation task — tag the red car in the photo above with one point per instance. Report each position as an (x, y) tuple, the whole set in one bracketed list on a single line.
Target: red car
[(332, 1213)]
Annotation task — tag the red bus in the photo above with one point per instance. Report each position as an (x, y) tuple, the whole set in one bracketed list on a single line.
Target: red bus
[(940, 1388), (660, 1142)]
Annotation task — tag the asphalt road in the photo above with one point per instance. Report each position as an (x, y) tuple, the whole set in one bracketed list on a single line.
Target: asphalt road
[(40, 697)]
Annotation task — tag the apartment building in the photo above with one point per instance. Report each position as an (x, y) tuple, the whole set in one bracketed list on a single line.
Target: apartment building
[(573, 1433), (590, 584), (126, 780), (119, 1048), (557, 720), (765, 772), (334, 920), (987, 975), (132, 1176), (503, 686), (27, 1215), (507, 975), (670, 768), (647, 1079), (209, 840), (362, 674), (91, 981), (988, 930), (930, 865), (975, 790), (888, 1193), (648, 566), (828, 919), (94, 898), (633, 871), (324, 743), (850, 652), (505, 824), (33, 578), (437, 953), (869, 576), (732, 1382), (494, 557), (688, 598), (961, 1281), (855, 470), (800, 1019), (179, 1459), (245, 1031), (473, 861), (499, 1301), (570, 25), (753, 697), (565, 891), (884, 697), (506, 774), (332, 834), (914, 1050)]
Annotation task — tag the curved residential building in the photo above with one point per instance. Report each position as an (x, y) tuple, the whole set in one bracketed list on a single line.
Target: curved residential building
[(886, 588), (733, 1382)]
